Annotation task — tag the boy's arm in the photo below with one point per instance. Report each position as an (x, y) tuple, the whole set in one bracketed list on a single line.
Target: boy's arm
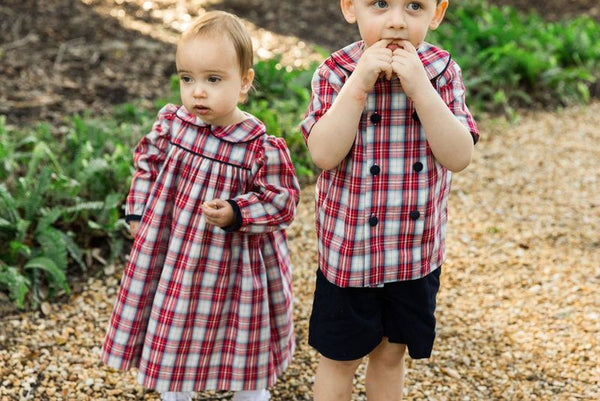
[(333, 135), (450, 141)]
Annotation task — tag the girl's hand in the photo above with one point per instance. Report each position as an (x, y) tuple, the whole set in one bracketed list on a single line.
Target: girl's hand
[(407, 65), (376, 61), (218, 213), (133, 227)]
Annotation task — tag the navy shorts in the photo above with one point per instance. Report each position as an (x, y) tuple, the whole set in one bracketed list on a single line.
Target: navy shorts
[(348, 323)]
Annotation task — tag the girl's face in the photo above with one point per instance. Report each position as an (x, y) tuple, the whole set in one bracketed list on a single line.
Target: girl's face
[(394, 19), (211, 83)]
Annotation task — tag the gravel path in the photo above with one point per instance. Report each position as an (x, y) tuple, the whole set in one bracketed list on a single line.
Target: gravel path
[(518, 309)]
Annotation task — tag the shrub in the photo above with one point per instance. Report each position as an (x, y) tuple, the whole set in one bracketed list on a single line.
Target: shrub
[(59, 200), (512, 60)]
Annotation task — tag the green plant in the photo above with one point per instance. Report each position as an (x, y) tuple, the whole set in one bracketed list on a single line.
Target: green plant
[(280, 99), (59, 200), (510, 59)]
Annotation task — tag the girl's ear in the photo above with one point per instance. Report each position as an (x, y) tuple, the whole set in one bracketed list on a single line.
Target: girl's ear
[(347, 7), (440, 11), (247, 80)]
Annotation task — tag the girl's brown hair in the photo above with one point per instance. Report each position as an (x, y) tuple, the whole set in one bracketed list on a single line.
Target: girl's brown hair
[(224, 23)]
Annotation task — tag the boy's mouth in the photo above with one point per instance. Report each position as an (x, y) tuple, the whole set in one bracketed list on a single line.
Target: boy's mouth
[(394, 46)]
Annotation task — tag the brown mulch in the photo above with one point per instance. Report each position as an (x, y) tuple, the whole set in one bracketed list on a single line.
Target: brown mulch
[(519, 310)]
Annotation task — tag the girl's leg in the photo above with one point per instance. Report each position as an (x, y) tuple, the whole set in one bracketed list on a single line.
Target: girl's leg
[(333, 380), (385, 372), (252, 395), (176, 396)]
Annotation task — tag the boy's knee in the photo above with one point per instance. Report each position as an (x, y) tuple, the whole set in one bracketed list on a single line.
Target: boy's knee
[(341, 366), (388, 354)]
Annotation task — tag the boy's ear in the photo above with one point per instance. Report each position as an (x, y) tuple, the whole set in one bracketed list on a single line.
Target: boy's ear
[(440, 11), (347, 7)]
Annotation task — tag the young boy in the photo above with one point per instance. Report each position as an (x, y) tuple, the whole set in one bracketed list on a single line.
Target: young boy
[(387, 124)]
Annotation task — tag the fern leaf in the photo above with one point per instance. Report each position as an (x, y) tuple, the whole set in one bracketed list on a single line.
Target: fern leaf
[(53, 246), (16, 284), (74, 251), (55, 275), (85, 206), (48, 218), (8, 206)]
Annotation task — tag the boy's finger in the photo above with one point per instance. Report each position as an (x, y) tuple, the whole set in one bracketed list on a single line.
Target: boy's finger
[(381, 43), (408, 46)]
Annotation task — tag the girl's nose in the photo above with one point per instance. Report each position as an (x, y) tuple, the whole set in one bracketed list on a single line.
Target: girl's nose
[(199, 91)]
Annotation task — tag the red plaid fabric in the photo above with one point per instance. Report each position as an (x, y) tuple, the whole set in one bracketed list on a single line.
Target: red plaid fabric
[(381, 214), (199, 307)]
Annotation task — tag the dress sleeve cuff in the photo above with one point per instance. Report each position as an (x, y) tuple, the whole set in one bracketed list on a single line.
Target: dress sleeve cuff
[(237, 224), (132, 217)]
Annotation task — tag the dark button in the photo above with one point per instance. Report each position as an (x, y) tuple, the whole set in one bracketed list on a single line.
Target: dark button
[(415, 116), (414, 215), (375, 118), (375, 169), (418, 166), (373, 220)]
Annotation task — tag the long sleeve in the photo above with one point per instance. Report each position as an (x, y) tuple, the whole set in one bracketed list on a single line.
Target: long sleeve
[(271, 203), (149, 156)]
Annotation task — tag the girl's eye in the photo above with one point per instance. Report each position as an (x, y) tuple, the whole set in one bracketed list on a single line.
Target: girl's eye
[(185, 79), (381, 4), (214, 78), (414, 6)]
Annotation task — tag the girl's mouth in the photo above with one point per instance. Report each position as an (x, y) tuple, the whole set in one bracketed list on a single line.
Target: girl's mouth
[(201, 109)]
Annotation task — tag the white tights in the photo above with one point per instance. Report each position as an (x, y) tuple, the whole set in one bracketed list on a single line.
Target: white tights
[(248, 395), (252, 395), (174, 396)]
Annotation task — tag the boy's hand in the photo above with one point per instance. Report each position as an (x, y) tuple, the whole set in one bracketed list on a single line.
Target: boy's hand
[(407, 65), (218, 213), (375, 62)]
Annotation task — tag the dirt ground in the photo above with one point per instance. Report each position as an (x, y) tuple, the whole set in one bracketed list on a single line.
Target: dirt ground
[(64, 56)]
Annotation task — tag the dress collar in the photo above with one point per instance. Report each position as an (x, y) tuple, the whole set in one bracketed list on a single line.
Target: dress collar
[(434, 59), (248, 129)]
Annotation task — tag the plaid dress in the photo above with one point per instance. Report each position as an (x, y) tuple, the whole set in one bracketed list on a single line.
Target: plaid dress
[(200, 307)]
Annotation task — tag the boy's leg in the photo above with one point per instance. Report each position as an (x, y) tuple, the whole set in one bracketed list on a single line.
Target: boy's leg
[(385, 372), (333, 380)]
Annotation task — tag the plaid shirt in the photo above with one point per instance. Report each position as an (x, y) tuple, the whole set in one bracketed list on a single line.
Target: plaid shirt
[(200, 307), (381, 214)]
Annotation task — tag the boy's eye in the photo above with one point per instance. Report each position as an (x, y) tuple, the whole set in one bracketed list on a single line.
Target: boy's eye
[(381, 4), (185, 79), (214, 78), (414, 6)]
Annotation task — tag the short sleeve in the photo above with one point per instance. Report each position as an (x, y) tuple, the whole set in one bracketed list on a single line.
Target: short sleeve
[(325, 87), (452, 90)]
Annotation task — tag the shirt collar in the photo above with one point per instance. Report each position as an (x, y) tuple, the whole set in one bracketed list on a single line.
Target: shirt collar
[(248, 129), (434, 59)]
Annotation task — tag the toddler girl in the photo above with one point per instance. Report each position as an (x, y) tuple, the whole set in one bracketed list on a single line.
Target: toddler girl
[(205, 299)]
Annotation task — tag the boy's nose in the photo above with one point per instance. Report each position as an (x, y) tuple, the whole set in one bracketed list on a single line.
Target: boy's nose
[(396, 19)]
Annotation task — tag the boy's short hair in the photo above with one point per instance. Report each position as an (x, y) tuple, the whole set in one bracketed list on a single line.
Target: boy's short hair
[(223, 23)]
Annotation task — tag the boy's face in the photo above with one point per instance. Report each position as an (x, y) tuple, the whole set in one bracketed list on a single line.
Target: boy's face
[(210, 80), (394, 19)]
